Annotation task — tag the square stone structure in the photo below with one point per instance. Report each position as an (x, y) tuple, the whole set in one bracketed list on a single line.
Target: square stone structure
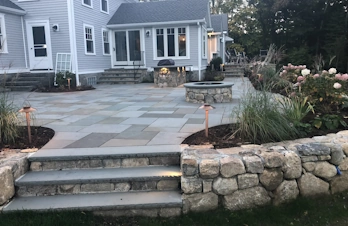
[(169, 76), (209, 92)]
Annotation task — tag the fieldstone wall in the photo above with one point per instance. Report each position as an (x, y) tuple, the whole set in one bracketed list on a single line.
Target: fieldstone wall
[(256, 175), (11, 168), (209, 95), (169, 76)]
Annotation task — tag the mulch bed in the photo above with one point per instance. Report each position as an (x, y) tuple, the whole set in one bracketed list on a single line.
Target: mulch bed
[(55, 89), (39, 135)]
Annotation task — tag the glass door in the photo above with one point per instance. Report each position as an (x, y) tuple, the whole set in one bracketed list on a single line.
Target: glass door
[(127, 47)]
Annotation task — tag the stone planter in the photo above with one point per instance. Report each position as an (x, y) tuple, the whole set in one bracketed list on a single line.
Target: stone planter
[(208, 92)]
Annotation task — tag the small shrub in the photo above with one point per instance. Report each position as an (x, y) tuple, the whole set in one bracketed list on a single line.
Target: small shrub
[(8, 120), (215, 63), (61, 79), (213, 76), (260, 121)]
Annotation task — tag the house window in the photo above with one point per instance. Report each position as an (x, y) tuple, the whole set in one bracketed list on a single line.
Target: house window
[(106, 43), (104, 6), (204, 44), (3, 43), (171, 42), (89, 39), (87, 3)]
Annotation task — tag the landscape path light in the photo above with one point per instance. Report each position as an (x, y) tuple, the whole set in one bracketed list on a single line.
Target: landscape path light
[(69, 82), (206, 107), (27, 111)]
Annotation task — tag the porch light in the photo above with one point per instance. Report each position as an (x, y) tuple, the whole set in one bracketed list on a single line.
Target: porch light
[(206, 107), (27, 111)]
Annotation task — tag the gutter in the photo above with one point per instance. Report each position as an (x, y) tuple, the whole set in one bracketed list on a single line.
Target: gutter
[(153, 24), (13, 11)]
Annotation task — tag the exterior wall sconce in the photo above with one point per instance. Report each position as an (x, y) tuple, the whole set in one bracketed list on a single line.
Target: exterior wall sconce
[(148, 33), (27, 111), (206, 107), (55, 27)]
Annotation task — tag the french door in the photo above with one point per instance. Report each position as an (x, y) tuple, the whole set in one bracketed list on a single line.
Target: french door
[(127, 47)]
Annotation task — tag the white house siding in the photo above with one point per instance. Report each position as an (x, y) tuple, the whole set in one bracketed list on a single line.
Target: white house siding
[(14, 60), (92, 16), (57, 13)]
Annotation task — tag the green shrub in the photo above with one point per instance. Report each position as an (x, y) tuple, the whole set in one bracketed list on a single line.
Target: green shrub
[(61, 79), (213, 76), (259, 119), (8, 120), (215, 63)]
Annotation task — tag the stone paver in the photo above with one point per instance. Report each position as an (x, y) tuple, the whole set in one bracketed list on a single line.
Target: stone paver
[(124, 115)]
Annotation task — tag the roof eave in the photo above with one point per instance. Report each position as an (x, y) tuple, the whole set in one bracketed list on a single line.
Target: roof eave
[(11, 10), (115, 26)]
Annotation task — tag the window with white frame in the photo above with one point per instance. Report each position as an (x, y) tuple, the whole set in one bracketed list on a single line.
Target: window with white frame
[(106, 43), (204, 44), (171, 42), (87, 3), (3, 42), (89, 39), (104, 6)]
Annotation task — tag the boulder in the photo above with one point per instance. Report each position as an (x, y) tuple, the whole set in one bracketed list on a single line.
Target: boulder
[(313, 149), (253, 164), (324, 170), (7, 189), (285, 192), (272, 159), (200, 202), (311, 185), (344, 164), (247, 180), (225, 186), (339, 183), (189, 165), (231, 166), (271, 178), (191, 185), (292, 167), (309, 166), (337, 154), (246, 199), (209, 168)]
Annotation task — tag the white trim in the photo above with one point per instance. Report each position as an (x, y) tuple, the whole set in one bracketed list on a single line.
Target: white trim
[(91, 72), (142, 43), (102, 32), (4, 34), (101, 6), (128, 67), (24, 44), (72, 37), (199, 51), (176, 44), (157, 24), (13, 11), (93, 38), (86, 5), (205, 47)]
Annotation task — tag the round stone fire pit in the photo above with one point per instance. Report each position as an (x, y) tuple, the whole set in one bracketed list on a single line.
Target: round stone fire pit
[(208, 92)]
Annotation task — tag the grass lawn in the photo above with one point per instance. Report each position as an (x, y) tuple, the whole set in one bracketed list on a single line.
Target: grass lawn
[(325, 210)]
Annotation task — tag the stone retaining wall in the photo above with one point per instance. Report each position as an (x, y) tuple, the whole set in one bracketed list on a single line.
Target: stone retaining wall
[(169, 76), (11, 169), (256, 175)]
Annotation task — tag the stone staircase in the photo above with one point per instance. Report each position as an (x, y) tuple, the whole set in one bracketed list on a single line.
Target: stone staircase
[(117, 181), (122, 76), (28, 81), (232, 70)]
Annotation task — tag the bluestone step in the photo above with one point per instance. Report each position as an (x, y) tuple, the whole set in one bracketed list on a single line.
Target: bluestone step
[(105, 153), (98, 175), (103, 201)]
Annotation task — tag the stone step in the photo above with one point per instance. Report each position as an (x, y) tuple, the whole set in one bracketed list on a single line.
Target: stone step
[(118, 82), (121, 73), (25, 88), (98, 180), (104, 157), (98, 201), (22, 83)]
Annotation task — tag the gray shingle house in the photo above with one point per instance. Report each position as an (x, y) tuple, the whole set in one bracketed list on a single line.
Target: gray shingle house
[(104, 34)]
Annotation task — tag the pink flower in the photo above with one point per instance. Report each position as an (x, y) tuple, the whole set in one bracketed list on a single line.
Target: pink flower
[(344, 77), (337, 85), (324, 72), (338, 76), (285, 71), (300, 78), (316, 76), (332, 71)]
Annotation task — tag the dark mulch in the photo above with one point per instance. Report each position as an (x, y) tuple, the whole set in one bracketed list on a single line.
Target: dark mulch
[(221, 136), (39, 136), (55, 89)]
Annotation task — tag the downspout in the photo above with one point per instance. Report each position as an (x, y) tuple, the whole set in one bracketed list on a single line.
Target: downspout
[(24, 44), (72, 38), (199, 51)]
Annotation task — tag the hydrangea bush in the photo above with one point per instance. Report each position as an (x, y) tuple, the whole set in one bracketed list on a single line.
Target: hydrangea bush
[(326, 91)]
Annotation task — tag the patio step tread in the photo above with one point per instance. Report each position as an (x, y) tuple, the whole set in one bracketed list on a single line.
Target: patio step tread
[(105, 152), (99, 201), (36, 178)]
